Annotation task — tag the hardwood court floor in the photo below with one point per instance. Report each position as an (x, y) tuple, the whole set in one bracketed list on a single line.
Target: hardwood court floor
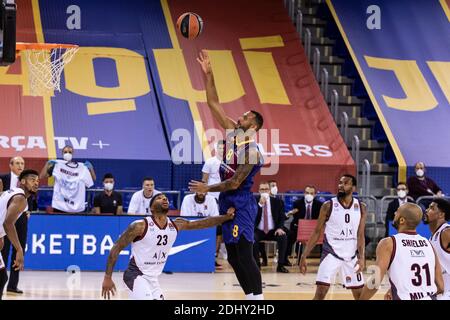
[(221, 285)]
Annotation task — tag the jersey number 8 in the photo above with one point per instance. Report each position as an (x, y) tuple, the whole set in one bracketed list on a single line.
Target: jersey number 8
[(235, 230)]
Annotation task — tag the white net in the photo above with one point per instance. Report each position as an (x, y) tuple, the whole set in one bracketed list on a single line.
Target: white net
[(45, 67)]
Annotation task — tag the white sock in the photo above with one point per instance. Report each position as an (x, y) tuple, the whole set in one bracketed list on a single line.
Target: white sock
[(258, 296), (249, 296)]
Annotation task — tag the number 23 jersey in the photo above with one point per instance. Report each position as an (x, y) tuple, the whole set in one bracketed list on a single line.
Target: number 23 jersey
[(150, 251)]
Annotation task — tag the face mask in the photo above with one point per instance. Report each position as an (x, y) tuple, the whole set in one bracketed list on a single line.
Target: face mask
[(309, 197), (420, 173), (274, 190), (109, 186), (67, 156), (401, 194), (265, 195)]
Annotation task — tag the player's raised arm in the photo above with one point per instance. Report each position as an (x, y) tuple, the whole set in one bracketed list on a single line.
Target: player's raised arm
[(324, 213), (211, 93), (134, 230), (183, 224), (384, 252), (242, 172)]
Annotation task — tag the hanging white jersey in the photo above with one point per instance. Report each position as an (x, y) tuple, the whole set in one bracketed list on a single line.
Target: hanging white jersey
[(341, 230), (412, 267), (149, 253), (5, 200), (139, 203), (443, 255), (69, 191)]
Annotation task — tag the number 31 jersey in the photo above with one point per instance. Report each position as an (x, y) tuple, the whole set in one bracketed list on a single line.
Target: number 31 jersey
[(150, 251), (412, 267)]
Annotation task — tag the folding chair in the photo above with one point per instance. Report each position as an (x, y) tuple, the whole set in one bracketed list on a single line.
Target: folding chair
[(305, 230)]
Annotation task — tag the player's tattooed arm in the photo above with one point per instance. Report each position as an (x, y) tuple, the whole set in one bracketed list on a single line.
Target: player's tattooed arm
[(134, 230), (212, 97), (242, 172), (183, 224)]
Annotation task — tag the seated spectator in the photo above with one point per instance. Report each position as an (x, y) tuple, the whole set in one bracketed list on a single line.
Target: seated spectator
[(140, 201), (71, 180), (108, 201), (199, 205), (307, 207), (273, 194), (420, 185), (202, 205), (269, 225), (402, 193)]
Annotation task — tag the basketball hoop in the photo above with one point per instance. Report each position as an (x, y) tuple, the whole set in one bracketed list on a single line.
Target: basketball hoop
[(45, 63)]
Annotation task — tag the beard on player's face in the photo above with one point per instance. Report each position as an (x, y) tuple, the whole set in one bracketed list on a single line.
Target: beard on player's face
[(341, 194), (161, 208)]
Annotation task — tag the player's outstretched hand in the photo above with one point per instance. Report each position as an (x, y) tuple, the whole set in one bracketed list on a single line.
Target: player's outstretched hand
[(230, 213), (303, 265), (108, 287), (198, 186), (203, 59)]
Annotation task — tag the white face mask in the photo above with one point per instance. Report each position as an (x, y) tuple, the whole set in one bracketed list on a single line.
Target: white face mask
[(67, 156), (109, 186), (274, 190), (265, 195), (420, 173), (309, 197), (401, 194)]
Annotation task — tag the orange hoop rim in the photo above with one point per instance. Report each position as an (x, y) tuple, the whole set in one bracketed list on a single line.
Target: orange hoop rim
[(20, 46)]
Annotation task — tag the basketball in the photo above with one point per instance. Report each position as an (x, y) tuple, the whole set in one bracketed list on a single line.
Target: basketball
[(190, 25)]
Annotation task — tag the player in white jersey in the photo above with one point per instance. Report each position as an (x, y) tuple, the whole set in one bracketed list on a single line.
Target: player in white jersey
[(13, 203), (151, 240), (410, 260), (436, 216), (344, 219)]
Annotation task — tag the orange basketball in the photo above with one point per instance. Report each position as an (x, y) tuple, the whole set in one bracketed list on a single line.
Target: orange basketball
[(190, 25)]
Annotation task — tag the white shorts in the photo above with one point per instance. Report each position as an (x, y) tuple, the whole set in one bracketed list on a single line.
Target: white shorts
[(146, 288), (330, 265)]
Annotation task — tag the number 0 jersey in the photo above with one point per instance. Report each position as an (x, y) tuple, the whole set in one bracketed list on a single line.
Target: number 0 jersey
[(412, 267), (341, 230), (149, 253)]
